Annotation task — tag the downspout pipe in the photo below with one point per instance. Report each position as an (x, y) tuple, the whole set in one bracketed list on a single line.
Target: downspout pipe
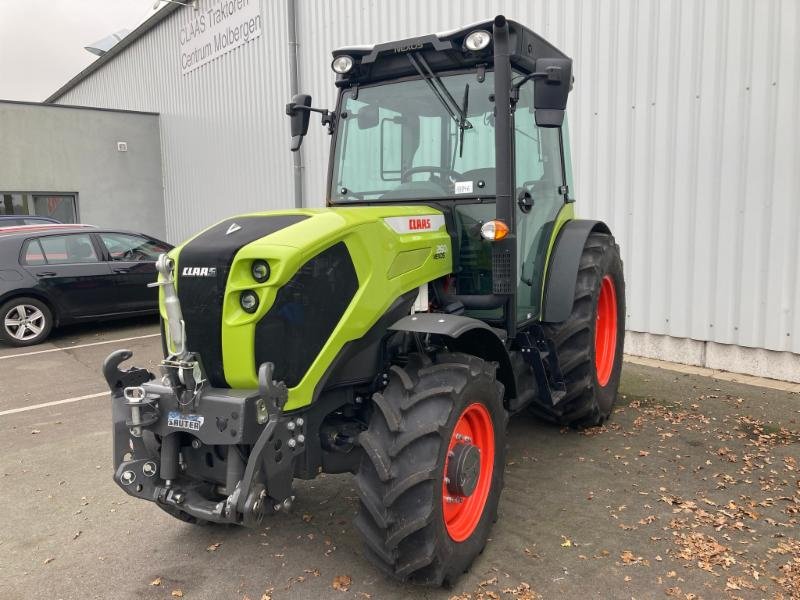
[(294, 88)]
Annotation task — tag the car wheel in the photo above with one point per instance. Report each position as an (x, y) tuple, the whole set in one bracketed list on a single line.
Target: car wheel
[(26, 321)]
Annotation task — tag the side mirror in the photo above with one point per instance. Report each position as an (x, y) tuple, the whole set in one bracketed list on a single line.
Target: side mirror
[(367, 116), (550, 93), (299, 114)]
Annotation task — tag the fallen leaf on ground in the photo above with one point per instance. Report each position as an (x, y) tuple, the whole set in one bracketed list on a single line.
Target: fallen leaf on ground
[(342, 582), (47, 561), (214, 546), (177, 593), (156, 581)]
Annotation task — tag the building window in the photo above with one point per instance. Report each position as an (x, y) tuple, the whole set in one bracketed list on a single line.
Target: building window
[(61, 207)]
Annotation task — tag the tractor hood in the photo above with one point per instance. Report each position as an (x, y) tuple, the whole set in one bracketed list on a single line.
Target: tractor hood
[(333, 273)]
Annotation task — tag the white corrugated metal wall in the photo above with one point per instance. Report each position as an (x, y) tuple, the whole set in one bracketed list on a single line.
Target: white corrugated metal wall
[(684, 122), (223, 126)]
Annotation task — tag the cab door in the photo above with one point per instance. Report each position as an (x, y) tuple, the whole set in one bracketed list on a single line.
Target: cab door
[(541, 192)]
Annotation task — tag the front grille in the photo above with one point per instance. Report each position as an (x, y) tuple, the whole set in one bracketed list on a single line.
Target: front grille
[(305, 313), (202, 290)]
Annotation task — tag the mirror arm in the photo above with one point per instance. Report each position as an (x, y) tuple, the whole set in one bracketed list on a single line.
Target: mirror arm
[(327, 116), (552, 74)]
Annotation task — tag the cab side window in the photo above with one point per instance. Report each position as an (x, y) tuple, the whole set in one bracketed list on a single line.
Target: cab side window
[(539, 181)]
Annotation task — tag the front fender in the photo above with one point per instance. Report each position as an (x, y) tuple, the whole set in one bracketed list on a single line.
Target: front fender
[(468, 335)]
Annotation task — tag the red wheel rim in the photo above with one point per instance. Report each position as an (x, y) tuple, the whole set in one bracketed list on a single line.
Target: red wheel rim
[(462, 511), (605, 333)]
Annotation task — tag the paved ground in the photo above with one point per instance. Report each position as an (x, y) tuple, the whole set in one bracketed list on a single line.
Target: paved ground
[(691, 492)]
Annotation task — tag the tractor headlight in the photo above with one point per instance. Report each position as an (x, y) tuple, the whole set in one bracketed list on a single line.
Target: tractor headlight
[(342, 64), (248, 301), (477, 40), (260, 270)]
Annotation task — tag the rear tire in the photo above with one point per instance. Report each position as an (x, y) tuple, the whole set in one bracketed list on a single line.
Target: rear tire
[(410, 528), (25, 321), (589, 344)]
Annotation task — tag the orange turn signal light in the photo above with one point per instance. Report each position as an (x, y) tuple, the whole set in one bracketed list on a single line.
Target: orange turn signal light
[(494, 230)]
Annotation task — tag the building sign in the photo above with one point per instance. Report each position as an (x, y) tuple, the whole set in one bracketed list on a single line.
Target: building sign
[(216, 29)]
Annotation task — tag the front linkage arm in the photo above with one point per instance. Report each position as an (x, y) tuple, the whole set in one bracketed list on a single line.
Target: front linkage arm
[(152, 426)]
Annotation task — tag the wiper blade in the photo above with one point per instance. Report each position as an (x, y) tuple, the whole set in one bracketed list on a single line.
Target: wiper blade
[(464, 124), (449, 104)]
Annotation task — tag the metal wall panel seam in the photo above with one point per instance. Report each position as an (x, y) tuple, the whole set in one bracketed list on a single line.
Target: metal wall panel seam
[(689, 232), (763, 312), (734, 325), (714, 227)]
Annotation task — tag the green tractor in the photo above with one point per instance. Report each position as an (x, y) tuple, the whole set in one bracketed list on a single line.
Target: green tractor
[(446, 287)]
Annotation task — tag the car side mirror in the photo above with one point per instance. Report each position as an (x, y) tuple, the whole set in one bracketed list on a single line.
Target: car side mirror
[(550, 92), (299, 115)]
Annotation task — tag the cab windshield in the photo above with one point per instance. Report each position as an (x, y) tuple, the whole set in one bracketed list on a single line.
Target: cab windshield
[(414, 139)]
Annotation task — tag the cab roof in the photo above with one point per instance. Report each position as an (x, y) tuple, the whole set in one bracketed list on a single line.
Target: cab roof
[(443, 52)]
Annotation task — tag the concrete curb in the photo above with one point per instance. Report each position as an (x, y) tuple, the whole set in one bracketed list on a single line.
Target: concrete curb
[(773, 384)]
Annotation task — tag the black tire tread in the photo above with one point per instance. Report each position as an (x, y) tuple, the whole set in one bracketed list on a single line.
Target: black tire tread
[(580, 407), (398, 480)]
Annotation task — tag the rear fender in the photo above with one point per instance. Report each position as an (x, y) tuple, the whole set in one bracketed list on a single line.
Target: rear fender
[(467, 335), (562, 273)]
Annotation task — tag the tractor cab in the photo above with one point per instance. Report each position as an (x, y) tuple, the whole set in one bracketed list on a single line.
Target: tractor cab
[(469, 122)]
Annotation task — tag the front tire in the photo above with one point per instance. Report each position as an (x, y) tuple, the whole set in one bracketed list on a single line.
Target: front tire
[(432, 472), (589, 344), (25, 322)]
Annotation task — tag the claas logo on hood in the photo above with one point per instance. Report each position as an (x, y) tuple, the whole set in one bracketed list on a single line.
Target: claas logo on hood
[(199, 272)]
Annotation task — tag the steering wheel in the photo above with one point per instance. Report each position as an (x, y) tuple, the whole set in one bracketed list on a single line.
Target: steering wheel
[(442, 171), (133, 255)]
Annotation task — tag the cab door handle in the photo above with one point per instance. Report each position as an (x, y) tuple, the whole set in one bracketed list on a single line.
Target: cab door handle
[(46, 274)]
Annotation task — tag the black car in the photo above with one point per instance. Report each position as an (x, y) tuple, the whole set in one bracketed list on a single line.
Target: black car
[(12, 220), (51, 277)]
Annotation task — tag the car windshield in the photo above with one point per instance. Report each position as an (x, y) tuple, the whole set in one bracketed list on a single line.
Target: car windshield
[(416, 139)]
